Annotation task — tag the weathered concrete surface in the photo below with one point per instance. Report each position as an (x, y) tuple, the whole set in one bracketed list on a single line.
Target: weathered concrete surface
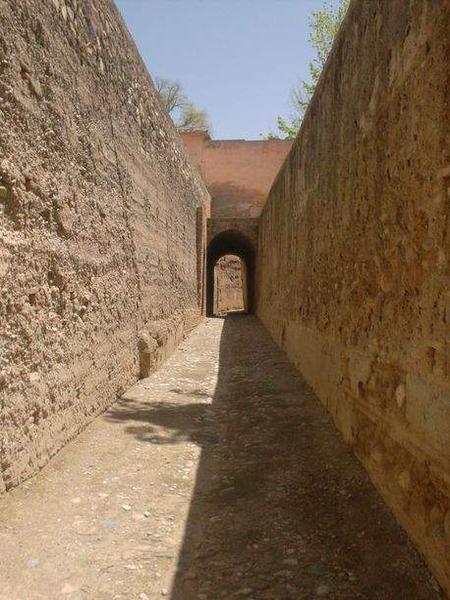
[(101, 236), (220, 476), (237, 173), (353, 256)]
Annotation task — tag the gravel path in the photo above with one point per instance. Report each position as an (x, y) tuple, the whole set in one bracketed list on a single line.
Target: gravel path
[(220, 476)]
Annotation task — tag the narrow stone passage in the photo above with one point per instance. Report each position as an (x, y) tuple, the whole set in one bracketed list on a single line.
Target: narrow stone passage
[(220, 476)]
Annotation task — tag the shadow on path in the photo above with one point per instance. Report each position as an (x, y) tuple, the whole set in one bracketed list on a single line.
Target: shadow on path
[(281, 508)]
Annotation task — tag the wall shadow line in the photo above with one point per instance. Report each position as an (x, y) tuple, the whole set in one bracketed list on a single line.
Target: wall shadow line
[(281, 508)]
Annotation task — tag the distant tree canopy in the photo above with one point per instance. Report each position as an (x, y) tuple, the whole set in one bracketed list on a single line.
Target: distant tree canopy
[(183, 112), (324, 25)]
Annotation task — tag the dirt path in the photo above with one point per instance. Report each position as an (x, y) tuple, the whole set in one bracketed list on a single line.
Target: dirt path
[(219, 477)]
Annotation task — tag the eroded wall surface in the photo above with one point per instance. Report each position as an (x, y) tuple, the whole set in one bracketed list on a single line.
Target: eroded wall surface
[(238, 173), (103, 225), (229, 285), (353, 259)]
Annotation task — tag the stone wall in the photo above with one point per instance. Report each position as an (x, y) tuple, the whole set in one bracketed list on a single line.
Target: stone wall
[(103, 225), (238, 173), (229, 285), (353, 274)]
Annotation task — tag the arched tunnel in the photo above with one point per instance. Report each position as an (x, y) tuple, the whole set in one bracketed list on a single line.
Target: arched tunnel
[(235, 243)]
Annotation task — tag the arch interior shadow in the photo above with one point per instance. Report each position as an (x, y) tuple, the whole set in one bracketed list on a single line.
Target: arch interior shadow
[(235, 243)]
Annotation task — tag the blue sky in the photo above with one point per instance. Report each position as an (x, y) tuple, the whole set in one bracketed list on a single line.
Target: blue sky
[(238, 59)]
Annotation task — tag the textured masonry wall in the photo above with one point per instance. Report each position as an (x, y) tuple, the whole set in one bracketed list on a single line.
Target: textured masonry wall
[(353, 274), (103, 225), (229, 285), (238, 173)]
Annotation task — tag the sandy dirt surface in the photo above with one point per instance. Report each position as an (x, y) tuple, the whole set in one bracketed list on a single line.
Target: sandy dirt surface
[(220, 476)]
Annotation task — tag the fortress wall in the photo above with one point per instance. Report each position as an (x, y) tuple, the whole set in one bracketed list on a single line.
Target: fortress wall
[(353, 272), (238, 173), (103, 225)]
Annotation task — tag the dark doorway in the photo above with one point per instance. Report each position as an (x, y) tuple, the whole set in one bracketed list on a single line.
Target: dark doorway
[(234, 243)]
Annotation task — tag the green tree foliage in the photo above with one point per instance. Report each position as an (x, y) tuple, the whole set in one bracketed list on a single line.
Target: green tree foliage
[(324, 25), (183, 112), (287, 130), (193, 118)]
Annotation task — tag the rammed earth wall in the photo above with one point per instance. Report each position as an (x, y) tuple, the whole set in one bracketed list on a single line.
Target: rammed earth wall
[(238, 173), (353, 257), (102, 234)]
